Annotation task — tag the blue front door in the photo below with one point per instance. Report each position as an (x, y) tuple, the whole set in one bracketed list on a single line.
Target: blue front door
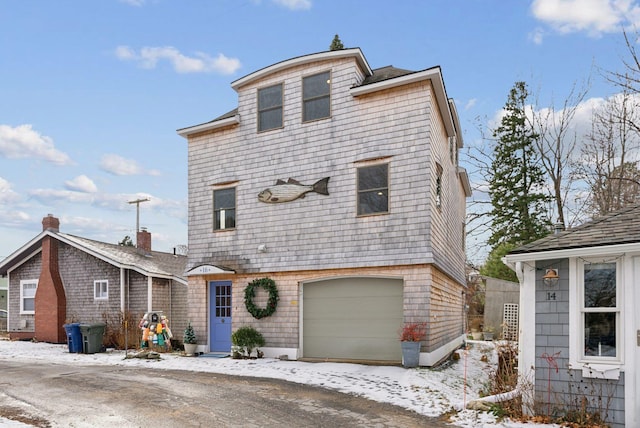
[(220, 298)]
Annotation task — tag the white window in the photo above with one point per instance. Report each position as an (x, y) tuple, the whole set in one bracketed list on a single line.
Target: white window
[(101, 289), (600, 302), (28, 289)]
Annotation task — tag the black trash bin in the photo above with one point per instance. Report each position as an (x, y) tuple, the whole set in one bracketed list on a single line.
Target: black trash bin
[(74, 337), (92, 337)]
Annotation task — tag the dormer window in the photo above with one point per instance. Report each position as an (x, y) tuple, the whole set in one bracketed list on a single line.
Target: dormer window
[(316, 96), (270, 107)]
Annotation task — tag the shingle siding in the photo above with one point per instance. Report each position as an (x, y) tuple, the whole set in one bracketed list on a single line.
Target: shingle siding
[(562, 390), (320, 237)]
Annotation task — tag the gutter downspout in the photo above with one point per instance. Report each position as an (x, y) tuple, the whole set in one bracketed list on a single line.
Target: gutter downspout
[(484, 403)]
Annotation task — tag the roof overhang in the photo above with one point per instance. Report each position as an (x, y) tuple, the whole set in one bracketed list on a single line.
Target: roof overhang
[(464, 179), (209, 126), (435, 76), (592, 251), (355, 53), (208, 270)]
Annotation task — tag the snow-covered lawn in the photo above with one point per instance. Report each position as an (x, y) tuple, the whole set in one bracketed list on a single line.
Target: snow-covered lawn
[(431, 392)]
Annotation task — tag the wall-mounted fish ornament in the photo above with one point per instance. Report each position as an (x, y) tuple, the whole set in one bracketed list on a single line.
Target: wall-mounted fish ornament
[(290, 190)]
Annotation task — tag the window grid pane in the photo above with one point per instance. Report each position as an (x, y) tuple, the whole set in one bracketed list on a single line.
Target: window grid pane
[(224, 209), (316, 96), (373, 192), (600, 310), (270, 108)]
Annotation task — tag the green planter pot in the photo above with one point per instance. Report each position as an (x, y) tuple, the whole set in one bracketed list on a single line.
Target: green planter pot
[(410, 354)]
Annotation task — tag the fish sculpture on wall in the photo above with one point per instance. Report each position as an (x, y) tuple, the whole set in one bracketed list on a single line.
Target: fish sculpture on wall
[(290, 190)]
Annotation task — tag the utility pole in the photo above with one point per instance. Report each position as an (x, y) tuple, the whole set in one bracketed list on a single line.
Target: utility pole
[(137, 202)]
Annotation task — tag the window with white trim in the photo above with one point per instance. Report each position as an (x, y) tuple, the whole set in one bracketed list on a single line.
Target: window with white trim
[(600, 311), (101, 289), (28, 289)]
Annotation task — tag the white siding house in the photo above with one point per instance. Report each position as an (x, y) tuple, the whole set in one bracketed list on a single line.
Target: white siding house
[(380, 244)]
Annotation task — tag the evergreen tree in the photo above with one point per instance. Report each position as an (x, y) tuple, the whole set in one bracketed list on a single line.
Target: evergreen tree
[(494, 267), (516, 182), (336, 44), (126, 242)]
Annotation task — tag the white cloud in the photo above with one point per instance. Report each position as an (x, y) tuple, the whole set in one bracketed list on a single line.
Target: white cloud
[(294, 4), (6, 192), (133, 2), (117, 165), (536, 36), (592, 16), (81, 183), (23, 142), (470, 104), (148, 57)]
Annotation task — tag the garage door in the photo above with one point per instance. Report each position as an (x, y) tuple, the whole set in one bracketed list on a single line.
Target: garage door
[(352, 318)]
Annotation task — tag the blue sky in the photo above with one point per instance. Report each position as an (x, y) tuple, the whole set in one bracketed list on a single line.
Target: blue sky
[(92, 92)]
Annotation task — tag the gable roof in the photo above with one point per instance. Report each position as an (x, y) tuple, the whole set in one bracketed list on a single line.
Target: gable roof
[(616, 228), (154, 263)]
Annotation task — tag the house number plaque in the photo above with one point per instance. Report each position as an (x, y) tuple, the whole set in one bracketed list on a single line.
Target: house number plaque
[(551, 296)]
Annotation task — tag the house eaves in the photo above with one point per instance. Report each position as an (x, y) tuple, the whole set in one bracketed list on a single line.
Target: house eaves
[(435, 76), (616, 232), (210, 126), (355, 53), (131, 262)]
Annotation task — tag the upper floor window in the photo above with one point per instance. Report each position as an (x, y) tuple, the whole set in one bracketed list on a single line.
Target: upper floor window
[(373, 189), (600, 311), (101, 289), (28, 296), (224, 208), (270, 107), (316, 96)]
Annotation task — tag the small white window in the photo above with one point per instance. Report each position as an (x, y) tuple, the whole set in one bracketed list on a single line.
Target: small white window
[(101, 289), (600, 311), (28, 289)]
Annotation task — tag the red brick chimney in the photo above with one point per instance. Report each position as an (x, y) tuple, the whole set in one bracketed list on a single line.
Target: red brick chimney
[(50, 301), (143, 240)]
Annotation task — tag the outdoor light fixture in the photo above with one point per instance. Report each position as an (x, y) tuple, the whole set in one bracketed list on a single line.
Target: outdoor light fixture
[(551, 278)]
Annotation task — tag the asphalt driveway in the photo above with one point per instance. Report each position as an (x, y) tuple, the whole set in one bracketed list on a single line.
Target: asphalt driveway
[(56, 395)]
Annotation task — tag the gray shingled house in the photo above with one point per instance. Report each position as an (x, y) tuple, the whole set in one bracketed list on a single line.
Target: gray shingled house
[(58, 278), (341, 184), (580, 341)]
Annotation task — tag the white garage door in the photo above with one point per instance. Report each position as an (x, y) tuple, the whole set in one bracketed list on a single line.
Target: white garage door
[(352, 318)]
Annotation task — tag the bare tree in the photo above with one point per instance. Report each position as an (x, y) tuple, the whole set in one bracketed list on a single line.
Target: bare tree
[(609, 156)]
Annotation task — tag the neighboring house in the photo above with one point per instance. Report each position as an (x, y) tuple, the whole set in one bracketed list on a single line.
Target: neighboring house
[(341, 184), (3, 293), (586, 322), (57, 278), (501, 306)]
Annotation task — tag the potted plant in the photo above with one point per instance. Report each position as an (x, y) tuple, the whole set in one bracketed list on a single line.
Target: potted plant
[(190, 341), (411, 334), (245, 340)]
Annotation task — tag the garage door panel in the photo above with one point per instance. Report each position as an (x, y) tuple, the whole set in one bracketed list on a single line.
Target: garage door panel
[(353, 318)]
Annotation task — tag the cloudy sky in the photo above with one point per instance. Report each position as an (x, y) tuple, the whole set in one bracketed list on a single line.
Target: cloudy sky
[(91, 93)]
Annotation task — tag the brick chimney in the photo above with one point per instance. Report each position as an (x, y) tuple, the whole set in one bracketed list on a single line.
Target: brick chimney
[(143, 240), (50, 301)]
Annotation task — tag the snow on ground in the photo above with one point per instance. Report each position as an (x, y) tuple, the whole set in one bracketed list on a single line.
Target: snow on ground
[(431, 392)]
